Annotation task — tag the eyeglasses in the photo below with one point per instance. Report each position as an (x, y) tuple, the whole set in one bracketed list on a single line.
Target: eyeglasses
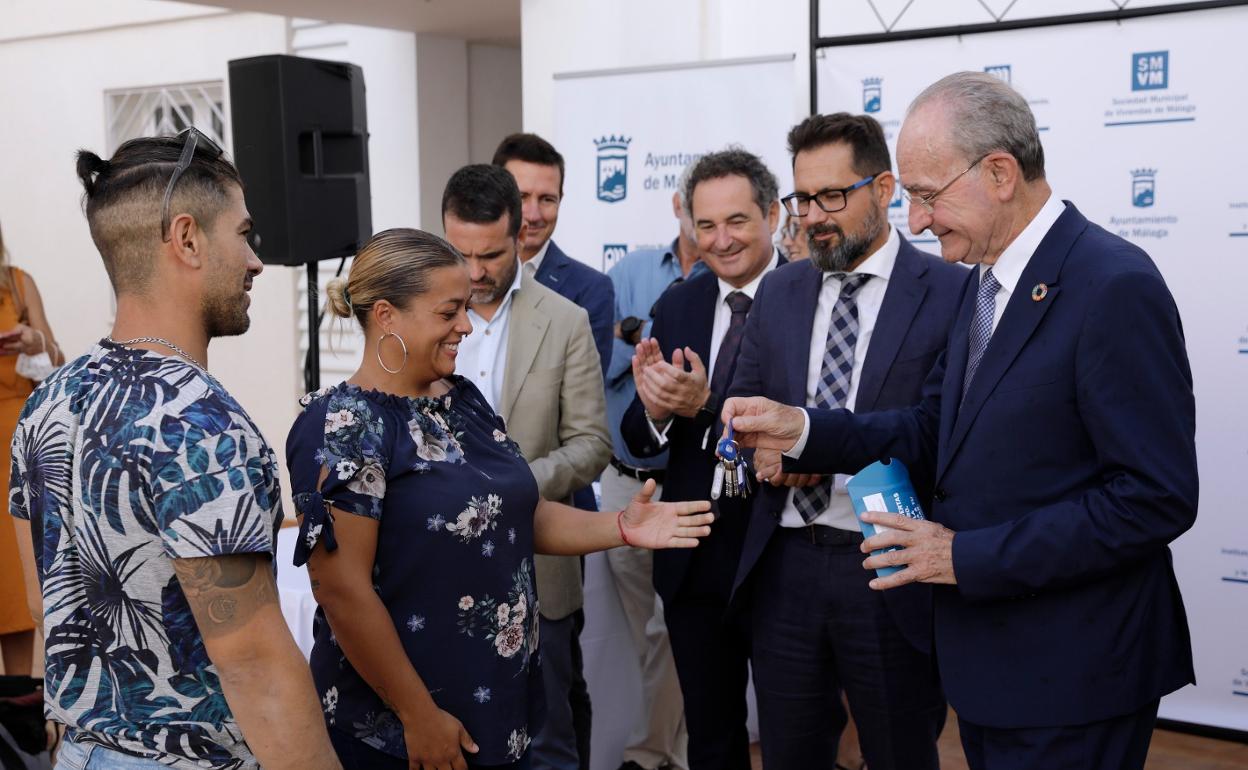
[(192, 138), (928, 201), (829, 199)]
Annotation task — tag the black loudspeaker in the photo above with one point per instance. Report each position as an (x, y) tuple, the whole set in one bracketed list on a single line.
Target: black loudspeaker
[(301, 146)]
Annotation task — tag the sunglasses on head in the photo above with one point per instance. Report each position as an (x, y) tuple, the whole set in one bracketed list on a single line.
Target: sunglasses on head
[(192, 138)]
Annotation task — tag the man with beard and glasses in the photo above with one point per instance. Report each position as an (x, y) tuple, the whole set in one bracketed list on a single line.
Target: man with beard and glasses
[(878, 312), (154, 501)]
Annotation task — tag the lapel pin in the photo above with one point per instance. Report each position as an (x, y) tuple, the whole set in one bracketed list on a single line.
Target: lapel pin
[(1039, 292)]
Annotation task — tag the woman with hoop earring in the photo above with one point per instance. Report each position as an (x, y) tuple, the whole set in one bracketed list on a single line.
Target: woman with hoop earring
[(419, 519)]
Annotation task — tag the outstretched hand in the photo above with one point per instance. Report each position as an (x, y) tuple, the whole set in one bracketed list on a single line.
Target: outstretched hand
[(646, 524), (762, 423)]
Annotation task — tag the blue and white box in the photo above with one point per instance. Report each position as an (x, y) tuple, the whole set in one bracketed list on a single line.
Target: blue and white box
[(883, 486)]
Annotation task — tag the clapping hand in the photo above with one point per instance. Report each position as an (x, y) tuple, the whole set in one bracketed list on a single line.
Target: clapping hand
[(666, 389), (664, 525)]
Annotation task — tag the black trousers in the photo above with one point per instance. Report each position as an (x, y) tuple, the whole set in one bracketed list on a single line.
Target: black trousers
[(711, 649), (1120, 743), (817, 630)]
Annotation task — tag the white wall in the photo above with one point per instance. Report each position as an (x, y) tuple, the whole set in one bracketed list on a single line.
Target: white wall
[(39, 18), (60, 56), (576, 35), (495, 103), (442, 98), (53, 91)]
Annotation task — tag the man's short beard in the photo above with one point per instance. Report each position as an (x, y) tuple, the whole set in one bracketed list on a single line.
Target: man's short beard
[(849, 248), (225, 317), (496, 292)]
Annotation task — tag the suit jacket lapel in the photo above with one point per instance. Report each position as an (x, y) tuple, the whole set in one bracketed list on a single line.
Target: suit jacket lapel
[(802, 298), (1022, 316), (701, 324), (554, 260), (955, 367), (525, 331), (901, 302)]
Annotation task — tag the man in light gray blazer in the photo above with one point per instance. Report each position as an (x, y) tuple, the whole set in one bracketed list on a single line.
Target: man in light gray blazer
[(531, 353)]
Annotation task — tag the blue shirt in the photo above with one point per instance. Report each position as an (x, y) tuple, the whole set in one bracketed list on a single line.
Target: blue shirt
[(123, 461), (639, 280), (454, 500)]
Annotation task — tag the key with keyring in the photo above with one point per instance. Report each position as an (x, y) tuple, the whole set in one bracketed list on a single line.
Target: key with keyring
[(730, 478)]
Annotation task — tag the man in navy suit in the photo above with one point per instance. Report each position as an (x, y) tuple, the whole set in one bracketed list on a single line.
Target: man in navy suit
[(858, 325), (1060, 426), (733, 202), (538, 170)]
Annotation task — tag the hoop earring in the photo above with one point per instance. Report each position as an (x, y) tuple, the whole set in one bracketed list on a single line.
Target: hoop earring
[(401, 344)]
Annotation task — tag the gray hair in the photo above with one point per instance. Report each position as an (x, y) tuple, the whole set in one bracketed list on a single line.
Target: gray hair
[(987, 115), (682, 186), (733, 161)]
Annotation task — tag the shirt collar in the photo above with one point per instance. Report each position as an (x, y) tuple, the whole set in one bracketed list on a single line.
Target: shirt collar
[(536, 261), (880, 264), (748, 290), (1010, 265)]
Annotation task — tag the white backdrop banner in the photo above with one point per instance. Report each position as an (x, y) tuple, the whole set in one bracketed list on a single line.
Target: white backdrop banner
[(1142, 128), (627, 135)]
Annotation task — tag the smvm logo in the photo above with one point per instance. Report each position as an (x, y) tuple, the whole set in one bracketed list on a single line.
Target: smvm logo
[(1000, 71), (1143, 187), (897, 202), (612, 253), (871, 94), (612, 168), (1150, 70)]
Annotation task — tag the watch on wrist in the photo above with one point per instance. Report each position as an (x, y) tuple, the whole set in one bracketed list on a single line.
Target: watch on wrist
[(630, 329)]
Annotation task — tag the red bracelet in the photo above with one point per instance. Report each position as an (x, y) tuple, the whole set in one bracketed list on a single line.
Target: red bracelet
[(619, 522)]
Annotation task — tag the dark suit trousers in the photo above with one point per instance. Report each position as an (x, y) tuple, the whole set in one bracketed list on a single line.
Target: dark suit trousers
[(1120, 743), (712, 652), (818, 629)]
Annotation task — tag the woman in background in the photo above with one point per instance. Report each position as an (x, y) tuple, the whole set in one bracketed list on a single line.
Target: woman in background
[(24, 330)]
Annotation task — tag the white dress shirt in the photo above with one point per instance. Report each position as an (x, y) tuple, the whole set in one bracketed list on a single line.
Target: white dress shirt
[(483, 354), (1010, 265), (840, 511), (719, 330), (535, 264)]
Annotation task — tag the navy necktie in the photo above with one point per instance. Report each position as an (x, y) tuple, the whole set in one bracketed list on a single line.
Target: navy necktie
[(981, 325), (835, 376), (725, 361)]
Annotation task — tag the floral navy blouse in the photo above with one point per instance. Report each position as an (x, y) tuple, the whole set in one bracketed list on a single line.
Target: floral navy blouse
[(454, 500)]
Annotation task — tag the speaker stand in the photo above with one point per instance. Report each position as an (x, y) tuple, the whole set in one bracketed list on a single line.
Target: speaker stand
[(312, 362)]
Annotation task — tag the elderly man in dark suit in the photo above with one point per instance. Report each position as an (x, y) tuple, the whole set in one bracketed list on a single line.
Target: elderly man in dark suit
[(699, 324), (858, 325), (1060, 426)]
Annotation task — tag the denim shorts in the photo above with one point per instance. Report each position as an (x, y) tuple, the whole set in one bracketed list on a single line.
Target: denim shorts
[(92, 756)]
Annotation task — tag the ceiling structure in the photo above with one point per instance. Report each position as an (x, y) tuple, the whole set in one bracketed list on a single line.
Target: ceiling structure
[(481, 21)]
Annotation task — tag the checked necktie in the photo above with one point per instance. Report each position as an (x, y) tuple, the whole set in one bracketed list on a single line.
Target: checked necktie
[(834, 381), (739, 303), (981, 325)]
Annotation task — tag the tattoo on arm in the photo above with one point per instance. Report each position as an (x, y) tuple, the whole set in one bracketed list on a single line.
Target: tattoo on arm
[(225, 592)]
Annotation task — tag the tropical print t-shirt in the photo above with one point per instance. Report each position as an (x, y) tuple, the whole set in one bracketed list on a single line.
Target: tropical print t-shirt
[(124, 460), (454, 501)]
